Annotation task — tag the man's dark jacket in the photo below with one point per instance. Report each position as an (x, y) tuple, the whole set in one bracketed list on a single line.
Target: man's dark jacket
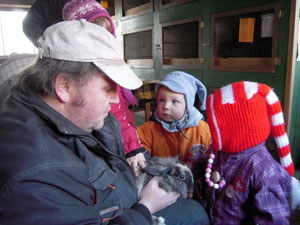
[(42, 14), (53, 172)]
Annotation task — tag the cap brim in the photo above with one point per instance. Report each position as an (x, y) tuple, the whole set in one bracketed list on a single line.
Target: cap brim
[(120, 73)]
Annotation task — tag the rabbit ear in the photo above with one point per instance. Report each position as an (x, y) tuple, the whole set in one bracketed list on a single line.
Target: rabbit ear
[(156, 170), (177, 157)]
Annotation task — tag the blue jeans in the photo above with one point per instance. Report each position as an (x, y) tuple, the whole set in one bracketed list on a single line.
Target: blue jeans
[(184, 212)]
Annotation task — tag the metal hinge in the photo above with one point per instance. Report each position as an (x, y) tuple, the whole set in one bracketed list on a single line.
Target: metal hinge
[(276, 61), (281, 14), (202, 24)]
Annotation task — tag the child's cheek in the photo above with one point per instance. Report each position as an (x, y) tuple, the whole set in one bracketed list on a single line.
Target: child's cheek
[(177, 115)]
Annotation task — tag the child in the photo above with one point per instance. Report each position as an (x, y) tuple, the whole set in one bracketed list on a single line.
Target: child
[(90, 10), (94, 12), (243, 183), (177, 127)]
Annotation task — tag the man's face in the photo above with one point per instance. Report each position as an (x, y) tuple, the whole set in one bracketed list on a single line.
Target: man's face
[(90, 103), (170, 105)]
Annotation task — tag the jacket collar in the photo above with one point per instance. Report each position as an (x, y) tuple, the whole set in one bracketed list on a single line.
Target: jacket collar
[(33, 102)]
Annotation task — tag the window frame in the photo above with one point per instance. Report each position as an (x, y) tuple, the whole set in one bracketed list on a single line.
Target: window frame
[(239, 64), (139, 63), (190, 63)]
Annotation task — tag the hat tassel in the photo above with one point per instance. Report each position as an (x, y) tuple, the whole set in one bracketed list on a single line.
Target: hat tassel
[(278, 130)]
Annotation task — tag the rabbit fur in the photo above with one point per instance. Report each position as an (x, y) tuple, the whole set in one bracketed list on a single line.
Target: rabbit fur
[(175, 176)]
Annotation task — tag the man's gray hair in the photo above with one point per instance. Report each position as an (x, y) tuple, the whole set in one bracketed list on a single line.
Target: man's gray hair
[(41, 76)]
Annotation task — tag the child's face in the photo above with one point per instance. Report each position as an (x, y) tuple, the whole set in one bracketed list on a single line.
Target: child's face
[(170, 105), (102, 21)]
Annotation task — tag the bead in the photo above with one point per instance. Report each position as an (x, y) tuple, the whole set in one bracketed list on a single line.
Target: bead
[(214, 179), (215, 176), (222, 182), (211, 184), (208, 170)]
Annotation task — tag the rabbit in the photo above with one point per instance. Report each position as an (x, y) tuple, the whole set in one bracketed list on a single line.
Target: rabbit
[(175, 176)]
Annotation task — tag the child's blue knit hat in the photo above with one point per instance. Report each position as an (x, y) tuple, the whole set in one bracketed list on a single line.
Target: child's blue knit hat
[(188, 85), (184, 83)]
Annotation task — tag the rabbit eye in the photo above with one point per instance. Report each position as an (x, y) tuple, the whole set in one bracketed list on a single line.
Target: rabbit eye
[(182, 177)]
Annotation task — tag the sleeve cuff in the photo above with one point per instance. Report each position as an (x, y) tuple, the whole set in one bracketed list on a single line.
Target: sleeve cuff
[(135, 152), (143, 210)]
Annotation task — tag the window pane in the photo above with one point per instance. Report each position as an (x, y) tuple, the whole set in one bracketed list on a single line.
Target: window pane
[(13, 40)]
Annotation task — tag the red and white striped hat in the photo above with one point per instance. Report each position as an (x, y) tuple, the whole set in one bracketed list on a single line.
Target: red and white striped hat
[(241, 116)]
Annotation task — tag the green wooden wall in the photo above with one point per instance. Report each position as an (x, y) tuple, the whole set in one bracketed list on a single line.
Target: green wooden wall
[(295, 120), (211, 78)]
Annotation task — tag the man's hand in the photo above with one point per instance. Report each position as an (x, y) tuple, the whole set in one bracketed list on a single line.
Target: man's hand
[(155, 198)]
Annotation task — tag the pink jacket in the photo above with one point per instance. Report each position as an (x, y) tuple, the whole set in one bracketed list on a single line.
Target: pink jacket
[(125, 117)]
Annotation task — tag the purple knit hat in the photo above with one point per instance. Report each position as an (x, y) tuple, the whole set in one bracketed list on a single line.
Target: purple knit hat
[(86, 9)]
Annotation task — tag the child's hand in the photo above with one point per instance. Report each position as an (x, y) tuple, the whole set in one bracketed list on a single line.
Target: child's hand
[(137, 162)]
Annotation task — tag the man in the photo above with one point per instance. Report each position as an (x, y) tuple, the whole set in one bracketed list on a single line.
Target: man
[(54, 168)]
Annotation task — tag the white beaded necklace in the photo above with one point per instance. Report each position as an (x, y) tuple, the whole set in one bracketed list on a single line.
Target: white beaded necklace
[(216, 181)]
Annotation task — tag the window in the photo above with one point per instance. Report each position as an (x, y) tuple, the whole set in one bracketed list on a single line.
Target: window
[(138, 51), (182, 44), (171, 3), (12, 38), (246, 40), (110, 7), (136, 7)]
